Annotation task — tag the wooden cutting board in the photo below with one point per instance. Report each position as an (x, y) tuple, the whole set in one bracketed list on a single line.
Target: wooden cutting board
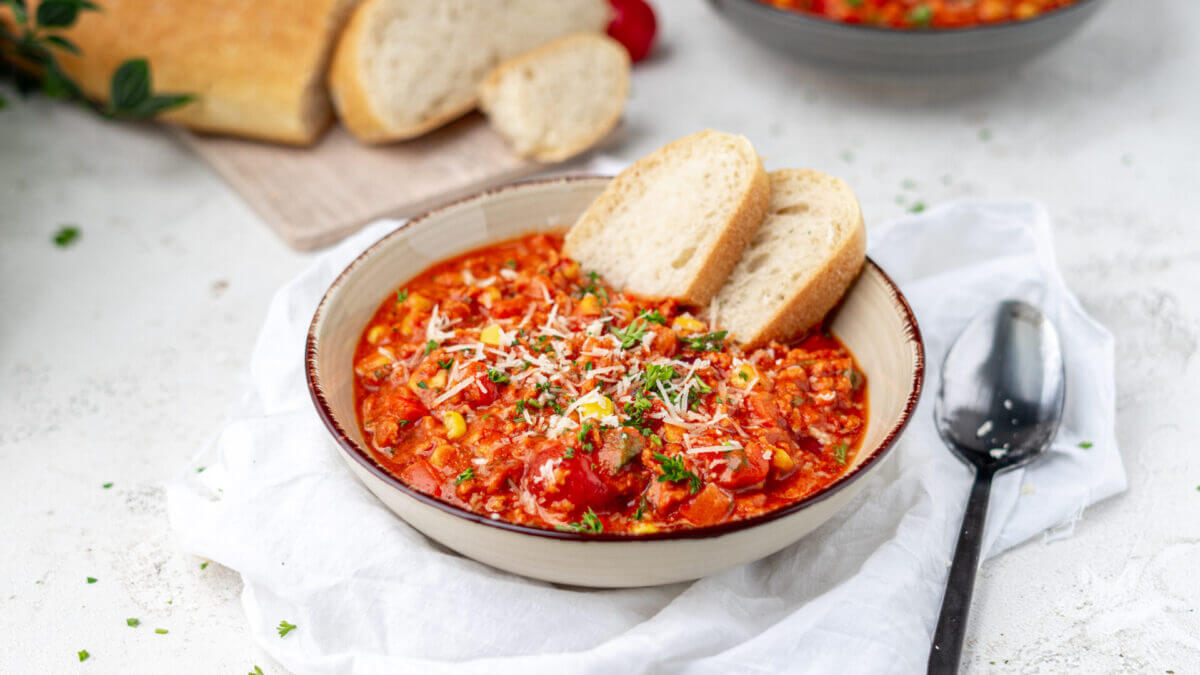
[(314, 196)]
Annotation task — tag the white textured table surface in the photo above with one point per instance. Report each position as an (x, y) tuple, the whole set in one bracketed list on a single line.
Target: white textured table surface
[(120, 355)]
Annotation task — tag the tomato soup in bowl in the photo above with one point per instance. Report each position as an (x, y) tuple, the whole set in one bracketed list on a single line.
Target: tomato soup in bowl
[(522, 411)]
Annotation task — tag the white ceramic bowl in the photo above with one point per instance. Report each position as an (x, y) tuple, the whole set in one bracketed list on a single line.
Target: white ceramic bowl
[(874, 321)]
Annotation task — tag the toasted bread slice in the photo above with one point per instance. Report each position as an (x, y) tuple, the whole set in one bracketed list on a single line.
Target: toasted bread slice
[(674, 223), (558, 100), (404, 67), (807, 252)]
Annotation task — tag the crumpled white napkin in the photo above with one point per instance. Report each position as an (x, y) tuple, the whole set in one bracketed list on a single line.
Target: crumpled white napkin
[(861, 594)]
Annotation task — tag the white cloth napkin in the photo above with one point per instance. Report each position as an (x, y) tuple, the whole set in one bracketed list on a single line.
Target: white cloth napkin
[(370, 595)]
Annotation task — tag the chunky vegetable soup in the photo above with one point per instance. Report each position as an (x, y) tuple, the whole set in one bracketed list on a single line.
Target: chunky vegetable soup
[(512, 383), (923, 13)]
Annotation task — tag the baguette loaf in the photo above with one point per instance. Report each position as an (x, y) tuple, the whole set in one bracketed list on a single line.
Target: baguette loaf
[(675, 223), (404, 67), (257, 68), (807, 252), (558, 100)]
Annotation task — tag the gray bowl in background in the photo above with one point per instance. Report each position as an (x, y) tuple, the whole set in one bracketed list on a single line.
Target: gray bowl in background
[(904, 51)]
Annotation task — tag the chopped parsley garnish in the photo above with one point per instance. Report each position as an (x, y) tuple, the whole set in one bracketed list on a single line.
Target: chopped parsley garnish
[(636, 410), (401, 295), (588, 366), (709, 342), (256, 671), (430, 346), (656, 440), (674, 471), (403, 423), (582, 437), (465, 476), (204, 565), (917, 208), (133, 623), (590, 523), (744, 375), (498, 377), (83, 655), (422, 384), (285, 628), (66, 235), (654, 316), (920, 15), (839, 451), (510, 264), (106, 486), (631, 334), (161, 631), (702, 386), (1086, 445), (855, 378), (92, 580), (446, 364), (655, 374), (637, 515)]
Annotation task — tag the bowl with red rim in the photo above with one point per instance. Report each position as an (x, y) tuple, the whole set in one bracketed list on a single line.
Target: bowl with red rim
[(873, 321)]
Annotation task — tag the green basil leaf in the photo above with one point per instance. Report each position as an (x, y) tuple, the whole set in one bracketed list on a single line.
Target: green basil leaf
[(156, 104), (57, 13), (130, 85), (62, 43)]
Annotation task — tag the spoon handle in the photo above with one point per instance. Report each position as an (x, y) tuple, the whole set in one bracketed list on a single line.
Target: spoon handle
[(952, 623)]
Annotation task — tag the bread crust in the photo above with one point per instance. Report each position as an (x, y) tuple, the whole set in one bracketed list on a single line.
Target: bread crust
[(724, 254), (488, 90), (349, 90), (249, 82), (809, 304), (720, 258)]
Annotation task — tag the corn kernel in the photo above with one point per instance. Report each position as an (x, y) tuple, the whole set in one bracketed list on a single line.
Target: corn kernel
[(686, 324), (602, 408), (376, 334), (489, 296), (743, 375), (455, 425), (372, 363), (782, 461), (441, 455), (643, 528), (438, 381), (419, 302), (589, 305), (490, 335)]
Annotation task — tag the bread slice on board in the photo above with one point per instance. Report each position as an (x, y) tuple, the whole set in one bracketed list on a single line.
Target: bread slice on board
[(560, 99), (404, 67), (257, 68), (801, 261), (675, 223)]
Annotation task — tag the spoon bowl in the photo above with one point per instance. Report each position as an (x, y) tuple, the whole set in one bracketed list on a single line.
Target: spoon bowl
[(1003, 388)]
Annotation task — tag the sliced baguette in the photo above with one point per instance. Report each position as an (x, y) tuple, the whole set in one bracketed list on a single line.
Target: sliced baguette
[(675, 223), (404, 67), (257, 69), (801, 261), (558, 100)]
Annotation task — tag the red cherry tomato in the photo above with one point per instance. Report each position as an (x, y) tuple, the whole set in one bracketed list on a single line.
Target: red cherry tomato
[(564, 485), (633, 25)]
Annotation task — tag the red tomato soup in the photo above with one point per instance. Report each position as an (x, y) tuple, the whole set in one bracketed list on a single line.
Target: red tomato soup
[(510, 382), (923, 13)]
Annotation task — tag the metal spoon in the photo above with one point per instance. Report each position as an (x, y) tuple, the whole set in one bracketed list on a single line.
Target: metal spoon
[(999, 406)]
